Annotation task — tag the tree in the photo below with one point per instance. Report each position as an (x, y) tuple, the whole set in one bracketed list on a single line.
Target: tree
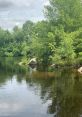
[(65, 12), (28, 28), (43, 42), (67, 49)]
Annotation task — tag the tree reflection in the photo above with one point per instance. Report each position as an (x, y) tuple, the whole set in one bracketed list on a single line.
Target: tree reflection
[(64, 90), (62, 87)]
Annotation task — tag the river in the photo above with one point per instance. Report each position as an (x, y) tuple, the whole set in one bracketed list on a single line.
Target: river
[(26, 92)]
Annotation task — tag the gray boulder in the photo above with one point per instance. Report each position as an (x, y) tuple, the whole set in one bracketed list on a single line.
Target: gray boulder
[(32, 62), (80, 70)]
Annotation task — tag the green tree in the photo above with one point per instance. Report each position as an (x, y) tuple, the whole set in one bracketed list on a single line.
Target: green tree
[(65, 12)]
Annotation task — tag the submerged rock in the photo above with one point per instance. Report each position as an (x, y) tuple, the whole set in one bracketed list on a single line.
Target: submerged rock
[(80, 70)]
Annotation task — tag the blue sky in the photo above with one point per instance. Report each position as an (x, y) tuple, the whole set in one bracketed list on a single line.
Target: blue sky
[(16, 12)]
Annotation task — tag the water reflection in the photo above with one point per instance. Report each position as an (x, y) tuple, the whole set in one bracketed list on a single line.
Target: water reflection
[(26, 92)]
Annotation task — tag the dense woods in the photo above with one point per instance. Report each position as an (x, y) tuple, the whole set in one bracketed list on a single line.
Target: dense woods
[(57, 39)]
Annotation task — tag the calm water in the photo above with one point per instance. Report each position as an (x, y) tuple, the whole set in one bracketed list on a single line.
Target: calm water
[(31, 93)]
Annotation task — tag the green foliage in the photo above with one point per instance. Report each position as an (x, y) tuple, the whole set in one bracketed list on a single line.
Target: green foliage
[(57, 39), (67, 49), (65, 12)]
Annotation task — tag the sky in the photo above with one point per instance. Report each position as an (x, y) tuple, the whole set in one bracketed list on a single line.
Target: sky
[(16, 12)]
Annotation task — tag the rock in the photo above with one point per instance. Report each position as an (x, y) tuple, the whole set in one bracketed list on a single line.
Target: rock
[(22, 63), (80, 70), (54, 66), (32, 62)]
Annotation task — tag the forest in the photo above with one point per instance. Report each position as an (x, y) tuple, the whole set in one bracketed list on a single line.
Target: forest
[(57, 39)]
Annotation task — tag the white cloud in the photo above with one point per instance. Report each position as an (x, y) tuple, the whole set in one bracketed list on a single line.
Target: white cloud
[(18, 3), (46, 2), (16, 12)]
